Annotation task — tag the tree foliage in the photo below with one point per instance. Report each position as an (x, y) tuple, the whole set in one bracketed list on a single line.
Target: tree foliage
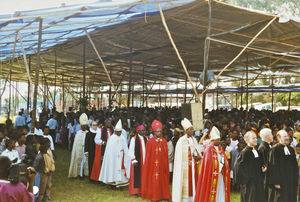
[(287, 7)]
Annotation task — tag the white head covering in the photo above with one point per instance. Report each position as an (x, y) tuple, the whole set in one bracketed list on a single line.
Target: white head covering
[(119, 126), (186, 124), (83, 119), (214, 133)]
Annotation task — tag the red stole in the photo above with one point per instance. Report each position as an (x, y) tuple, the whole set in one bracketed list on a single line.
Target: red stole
[(97, 160), (155, 180), (190, 174), (209, 174), (133, 190), (97, 164)]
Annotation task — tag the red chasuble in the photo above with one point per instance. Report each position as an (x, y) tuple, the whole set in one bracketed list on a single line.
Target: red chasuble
[(208, 177), (155, 181)]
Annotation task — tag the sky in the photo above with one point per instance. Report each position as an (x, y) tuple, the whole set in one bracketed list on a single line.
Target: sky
[(10, 6)]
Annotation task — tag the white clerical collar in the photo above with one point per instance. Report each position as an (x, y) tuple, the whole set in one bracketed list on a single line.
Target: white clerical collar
[(93, 131), (255, 153), (286, 150)]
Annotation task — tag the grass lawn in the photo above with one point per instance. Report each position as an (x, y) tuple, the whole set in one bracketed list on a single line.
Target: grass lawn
[(65, 189)]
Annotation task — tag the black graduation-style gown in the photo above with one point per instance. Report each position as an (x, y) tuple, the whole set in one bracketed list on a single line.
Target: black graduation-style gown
[(250, 176), (283, 171), (89, 147), (264, 151)]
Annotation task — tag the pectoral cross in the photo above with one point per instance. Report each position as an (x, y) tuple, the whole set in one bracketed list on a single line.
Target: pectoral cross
[(213, 191), (215, 156), (156, 162), (215, 173), (156, 175)]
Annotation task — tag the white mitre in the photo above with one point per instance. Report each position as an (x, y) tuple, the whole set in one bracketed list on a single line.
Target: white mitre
[(186, 124), (83, 119), (214, 133), (118, 127)]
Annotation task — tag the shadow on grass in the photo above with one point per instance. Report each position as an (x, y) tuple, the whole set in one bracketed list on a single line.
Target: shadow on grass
[(65, 189)]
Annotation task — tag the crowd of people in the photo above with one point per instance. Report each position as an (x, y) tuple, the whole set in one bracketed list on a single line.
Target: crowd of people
[(147, 149)]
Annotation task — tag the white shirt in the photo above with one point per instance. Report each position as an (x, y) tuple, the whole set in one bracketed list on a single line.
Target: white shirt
[(52, 123), (51, 141), (234, 143), (12, 155), (38, 132)]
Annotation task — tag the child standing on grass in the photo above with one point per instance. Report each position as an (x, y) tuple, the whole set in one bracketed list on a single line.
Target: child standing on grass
[(44, 165)]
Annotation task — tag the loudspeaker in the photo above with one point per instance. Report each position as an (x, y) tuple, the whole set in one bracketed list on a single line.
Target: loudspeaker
[(193, 112)]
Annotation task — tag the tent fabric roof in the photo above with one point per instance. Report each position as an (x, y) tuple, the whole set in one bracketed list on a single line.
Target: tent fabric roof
[(134, 30)]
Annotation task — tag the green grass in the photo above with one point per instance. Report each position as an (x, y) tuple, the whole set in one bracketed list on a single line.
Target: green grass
[(65, 189)]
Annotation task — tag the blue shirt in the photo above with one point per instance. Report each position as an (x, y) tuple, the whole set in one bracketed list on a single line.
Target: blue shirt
[(52, 123), (20, 121)]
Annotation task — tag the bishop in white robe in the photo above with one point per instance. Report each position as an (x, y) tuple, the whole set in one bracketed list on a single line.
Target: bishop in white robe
[(187, 156), (115, 168)]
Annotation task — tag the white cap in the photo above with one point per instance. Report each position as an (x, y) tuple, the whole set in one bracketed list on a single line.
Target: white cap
[(214, 133), (83, 119), (118, 127), (186, 124)]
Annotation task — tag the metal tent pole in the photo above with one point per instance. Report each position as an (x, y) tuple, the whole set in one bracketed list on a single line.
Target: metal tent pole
[(36, 81), (247, 85), (83, 68), (28, 88), (290, 94), (185, 89), (55, 67)]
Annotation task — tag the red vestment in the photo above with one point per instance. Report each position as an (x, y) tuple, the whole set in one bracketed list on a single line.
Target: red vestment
[(155, 180), (97, 164), (97, 159), (208, 177)]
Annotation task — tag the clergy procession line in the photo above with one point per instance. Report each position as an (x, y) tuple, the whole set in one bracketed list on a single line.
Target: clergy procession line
[(148, 149), (201, 169)]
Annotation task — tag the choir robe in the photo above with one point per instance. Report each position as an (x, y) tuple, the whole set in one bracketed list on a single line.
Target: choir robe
[(115, 168), (283, 171), (264, 151), (155, 180), (137, 153), (213, 184), (185, 172), (89, 148), (79, 162), (102, 136), (250, 176)]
